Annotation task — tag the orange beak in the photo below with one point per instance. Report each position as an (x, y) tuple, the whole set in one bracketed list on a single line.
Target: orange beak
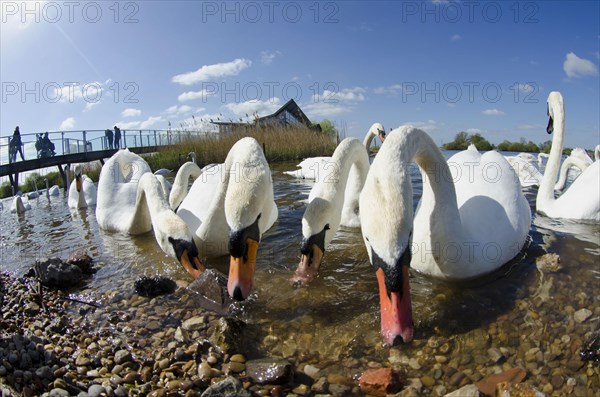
[(241, 272), (308, 268), (194, 265), (396, 311), (78, 183)]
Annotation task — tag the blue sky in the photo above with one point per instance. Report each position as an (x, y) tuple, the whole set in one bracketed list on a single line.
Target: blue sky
[(447, 66)]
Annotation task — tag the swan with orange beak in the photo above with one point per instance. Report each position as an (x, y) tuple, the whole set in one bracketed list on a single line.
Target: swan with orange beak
[(228, 208)]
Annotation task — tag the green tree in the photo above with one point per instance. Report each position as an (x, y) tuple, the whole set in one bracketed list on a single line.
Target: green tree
[(480, 142), (328, 128), (460, 142), (545, 146)]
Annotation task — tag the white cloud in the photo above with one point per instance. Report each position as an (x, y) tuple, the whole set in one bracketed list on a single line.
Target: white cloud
[(355, 94), (89, 92), (179, 109), (267, 57), (140, 124), (215, 71), (427, 126), (474, 131), (526, 88), (493, 112), (192, 95), (455, 37), (578, 67), (150, 121), (90, 105), (129, 125), (67, 124), (131, 112), (263, 108), (392, 90), (325, 109)]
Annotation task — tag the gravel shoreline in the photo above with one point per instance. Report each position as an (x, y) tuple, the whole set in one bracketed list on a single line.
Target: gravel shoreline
[(123, 344), (55, 345)]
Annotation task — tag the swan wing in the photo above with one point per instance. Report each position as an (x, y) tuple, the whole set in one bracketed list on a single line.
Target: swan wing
[(494, 213), (582, 198), (117, 190)]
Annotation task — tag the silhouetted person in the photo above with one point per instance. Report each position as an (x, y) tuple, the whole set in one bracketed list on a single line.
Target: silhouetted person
[(117, 137), (109, 138), (47, 144), (15, 146), (38, 144)]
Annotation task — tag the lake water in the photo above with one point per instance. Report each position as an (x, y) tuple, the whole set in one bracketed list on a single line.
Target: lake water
[(334, 323)]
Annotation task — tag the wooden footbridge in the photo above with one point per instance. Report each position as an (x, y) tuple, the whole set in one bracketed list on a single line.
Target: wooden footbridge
[(82, 147)]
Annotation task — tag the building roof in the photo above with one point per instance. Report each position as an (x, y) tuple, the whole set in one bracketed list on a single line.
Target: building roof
[(291, 106)]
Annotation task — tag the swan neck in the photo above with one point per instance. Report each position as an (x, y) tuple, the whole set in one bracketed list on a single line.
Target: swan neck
[(438, 186), (150, 200), (181, 183), (368, 139), (546, 190)]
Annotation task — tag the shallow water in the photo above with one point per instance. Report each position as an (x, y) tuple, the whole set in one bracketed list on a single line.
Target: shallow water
[(334, 322)]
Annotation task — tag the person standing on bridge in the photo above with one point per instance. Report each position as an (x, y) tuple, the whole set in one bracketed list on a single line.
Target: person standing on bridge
[(109, 137), (16, 146), (117, 137), (48, 145)]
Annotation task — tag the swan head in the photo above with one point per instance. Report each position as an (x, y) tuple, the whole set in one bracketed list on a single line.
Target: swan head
[(319, 223), (555, 104), (243, 247), (78, 177), (378, 130), (176, 240), (386, 225)]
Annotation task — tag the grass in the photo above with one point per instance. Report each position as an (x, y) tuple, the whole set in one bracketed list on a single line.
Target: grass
[(280, 144)]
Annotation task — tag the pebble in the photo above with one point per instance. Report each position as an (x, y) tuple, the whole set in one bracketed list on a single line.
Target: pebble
[(582, 314), (311, 371), (427, 381), (96, 390), (122, 357)]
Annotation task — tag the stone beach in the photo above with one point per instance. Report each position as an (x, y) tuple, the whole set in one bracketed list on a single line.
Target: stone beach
[(121, 344)]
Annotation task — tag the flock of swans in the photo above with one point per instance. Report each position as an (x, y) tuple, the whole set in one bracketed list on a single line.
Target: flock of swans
[(466, 223)]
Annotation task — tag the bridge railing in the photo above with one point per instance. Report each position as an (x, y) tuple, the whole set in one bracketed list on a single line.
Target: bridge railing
[(66, 142)]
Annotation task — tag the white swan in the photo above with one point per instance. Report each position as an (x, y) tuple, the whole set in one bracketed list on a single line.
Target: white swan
[(316, 167), (577, 161), (51, 191), (82, 191), (228, 208), (526, 169), (163, 171), (19, 206), (34, 194), (332, 202), (131, 200), (582, 199), (469, 221), (540, 158), (164, 183)]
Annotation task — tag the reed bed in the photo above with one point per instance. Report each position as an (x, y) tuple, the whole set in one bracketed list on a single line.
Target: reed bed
[(279, 144)]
